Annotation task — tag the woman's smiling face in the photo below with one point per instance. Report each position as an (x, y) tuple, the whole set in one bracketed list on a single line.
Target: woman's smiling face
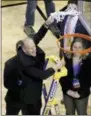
[(77, 46)]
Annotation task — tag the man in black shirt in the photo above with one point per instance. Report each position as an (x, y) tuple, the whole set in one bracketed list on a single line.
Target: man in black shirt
[(24, 74)]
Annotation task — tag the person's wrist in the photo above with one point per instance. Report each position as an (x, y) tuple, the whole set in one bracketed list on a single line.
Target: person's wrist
[(70, 92), (46, 25)]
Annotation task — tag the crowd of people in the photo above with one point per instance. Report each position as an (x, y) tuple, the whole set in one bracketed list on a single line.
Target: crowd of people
[(24, 73)]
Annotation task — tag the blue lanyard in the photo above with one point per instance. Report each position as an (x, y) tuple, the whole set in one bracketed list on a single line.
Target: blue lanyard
[(76, 69)]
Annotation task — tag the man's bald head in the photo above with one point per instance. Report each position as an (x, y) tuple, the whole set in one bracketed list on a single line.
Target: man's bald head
[(28, 42), (29, 47)]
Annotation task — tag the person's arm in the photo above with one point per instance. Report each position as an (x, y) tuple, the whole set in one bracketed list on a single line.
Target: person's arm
[(65, 83), (40, 34), (43, 30), (6, 77), (37, 73), (9, 77), (66, 87)]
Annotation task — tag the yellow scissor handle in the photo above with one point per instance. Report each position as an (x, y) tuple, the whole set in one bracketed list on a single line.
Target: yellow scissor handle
[(62, 73), (53, 58), (63, 70)]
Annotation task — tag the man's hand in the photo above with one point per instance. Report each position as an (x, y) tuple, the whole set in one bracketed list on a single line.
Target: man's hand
[(49, 21), (60, 63), (60, 73)]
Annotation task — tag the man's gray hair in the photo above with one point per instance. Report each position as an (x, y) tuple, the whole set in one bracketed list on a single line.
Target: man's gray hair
[(20, 43)]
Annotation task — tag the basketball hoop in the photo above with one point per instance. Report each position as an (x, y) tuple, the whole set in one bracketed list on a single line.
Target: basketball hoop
[(82, 36)]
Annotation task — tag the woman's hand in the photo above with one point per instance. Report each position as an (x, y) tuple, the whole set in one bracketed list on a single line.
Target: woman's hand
[(73, 94)]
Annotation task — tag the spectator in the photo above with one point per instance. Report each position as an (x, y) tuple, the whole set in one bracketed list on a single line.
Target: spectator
[(76, 85)]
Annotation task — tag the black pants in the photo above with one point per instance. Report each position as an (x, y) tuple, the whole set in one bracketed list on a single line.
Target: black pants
[(32, 109), (27, 109), (13, 108)]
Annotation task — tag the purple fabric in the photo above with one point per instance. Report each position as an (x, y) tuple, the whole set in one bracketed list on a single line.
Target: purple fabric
[(76, 69)]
